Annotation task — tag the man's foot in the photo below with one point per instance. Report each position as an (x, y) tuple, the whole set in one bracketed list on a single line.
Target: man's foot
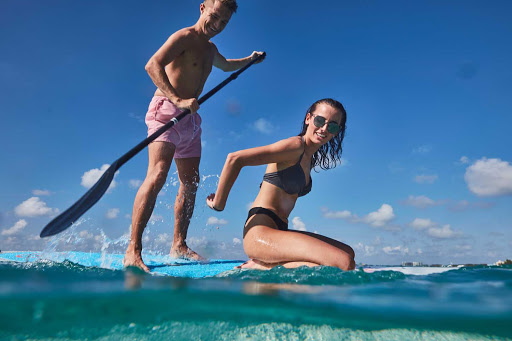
[(256, 265), (184, 252), (133, 277), (133, 259)]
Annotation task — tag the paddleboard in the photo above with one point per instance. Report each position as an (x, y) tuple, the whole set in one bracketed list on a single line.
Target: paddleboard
[(158, 264), (167, 266)]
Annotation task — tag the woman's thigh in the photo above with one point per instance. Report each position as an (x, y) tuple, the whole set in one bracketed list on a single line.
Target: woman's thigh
[(270, 245), (333, 242)]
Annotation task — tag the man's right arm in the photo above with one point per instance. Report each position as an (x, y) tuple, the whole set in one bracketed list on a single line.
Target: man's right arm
[(155, 67)]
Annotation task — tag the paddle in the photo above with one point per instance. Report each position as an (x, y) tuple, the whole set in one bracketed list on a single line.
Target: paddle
[(69, 216)]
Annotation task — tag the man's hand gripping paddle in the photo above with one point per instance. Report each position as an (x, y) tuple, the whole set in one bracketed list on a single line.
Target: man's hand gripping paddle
[(68, 217)]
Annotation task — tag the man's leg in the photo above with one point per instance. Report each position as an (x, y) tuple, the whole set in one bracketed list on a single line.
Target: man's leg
[(160, 159), (188, 172)]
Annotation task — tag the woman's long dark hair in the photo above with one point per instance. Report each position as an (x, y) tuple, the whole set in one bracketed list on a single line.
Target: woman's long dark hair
[(329, 155)]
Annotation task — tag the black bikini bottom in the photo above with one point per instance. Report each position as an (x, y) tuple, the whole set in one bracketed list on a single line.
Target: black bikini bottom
[(281, 225)]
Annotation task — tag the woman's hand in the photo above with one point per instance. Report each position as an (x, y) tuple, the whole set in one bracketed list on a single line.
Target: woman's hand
[(210, 202)]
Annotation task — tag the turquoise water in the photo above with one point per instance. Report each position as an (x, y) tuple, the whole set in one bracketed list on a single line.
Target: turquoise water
[(65, 301)]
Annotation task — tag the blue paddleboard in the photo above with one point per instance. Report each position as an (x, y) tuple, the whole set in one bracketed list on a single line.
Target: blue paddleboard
[(167, 266), (161, 265)]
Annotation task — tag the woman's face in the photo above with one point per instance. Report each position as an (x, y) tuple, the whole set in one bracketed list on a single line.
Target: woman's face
[(325, 114)]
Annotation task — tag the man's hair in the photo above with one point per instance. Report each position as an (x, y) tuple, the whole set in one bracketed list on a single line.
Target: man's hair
[(230, 4)]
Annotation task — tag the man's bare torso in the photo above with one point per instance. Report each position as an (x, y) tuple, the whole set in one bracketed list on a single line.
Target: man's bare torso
[(188, 72)]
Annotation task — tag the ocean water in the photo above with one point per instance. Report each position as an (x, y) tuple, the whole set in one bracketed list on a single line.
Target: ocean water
[(47, 300)]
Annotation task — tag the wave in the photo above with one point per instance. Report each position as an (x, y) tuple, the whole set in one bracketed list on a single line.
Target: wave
[(49, 299)]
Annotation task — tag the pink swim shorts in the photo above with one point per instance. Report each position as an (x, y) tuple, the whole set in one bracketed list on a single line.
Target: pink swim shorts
[(185, 135)]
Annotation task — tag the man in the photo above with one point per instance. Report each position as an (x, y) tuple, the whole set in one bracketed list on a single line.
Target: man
[(179, 69)]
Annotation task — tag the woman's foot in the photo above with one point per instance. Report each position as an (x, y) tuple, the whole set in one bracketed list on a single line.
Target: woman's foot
[(256, 264), (259, 265)]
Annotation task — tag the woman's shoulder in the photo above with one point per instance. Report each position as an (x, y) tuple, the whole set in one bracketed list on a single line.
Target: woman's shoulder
[(291, 146), (294, 142)]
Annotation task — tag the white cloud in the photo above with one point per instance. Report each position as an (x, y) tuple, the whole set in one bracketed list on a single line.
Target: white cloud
[(367, 249), (201, 243), (422, 224), (298, 224), (464, 160), (135, 183), (424, 178), (20, 225), (216, 221), (378, 218), (443, 232), (433, 229), (34, 207), (92, 176), (112, 213), (397, 250), (419, 201), (263, 126), (488, 177), (381, 217), (237, 241), (40, 192), (164, 238), (337, 214), (422, 149)]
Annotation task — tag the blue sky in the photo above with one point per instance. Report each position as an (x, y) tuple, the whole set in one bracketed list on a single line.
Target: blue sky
[(426, 173)]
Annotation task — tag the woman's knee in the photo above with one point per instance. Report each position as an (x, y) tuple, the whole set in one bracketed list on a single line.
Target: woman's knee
[(351, 252), (249, 248), (255, 249), (344, 261)]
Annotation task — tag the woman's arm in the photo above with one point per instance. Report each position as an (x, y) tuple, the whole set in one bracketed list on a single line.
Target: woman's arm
[(280, 151)]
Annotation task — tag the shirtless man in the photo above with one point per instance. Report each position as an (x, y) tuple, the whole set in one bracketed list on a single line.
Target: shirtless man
[(179, 69)]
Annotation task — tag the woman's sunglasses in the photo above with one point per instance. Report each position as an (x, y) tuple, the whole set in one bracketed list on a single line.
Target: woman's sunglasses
[(332, 127)]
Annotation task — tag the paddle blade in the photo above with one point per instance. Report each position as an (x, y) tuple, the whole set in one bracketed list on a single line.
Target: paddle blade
[(69, 216)]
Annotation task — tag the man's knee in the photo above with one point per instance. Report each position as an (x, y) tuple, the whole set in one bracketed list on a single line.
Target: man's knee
[(190, 183), (157, 177)]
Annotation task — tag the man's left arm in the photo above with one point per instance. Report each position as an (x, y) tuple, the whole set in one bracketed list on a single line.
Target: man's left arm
[(233, 64)]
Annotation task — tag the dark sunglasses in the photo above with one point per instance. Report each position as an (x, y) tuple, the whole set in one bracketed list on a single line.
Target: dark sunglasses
[(332, 127)]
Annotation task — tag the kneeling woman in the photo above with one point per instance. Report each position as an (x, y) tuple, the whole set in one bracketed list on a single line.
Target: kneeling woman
[(267, 239)]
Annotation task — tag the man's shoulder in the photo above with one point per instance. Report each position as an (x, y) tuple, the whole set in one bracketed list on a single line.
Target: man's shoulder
[(212, 45), (186, 32)]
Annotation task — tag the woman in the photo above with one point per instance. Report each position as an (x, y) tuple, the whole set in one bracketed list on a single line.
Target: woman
[(267, 240)]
